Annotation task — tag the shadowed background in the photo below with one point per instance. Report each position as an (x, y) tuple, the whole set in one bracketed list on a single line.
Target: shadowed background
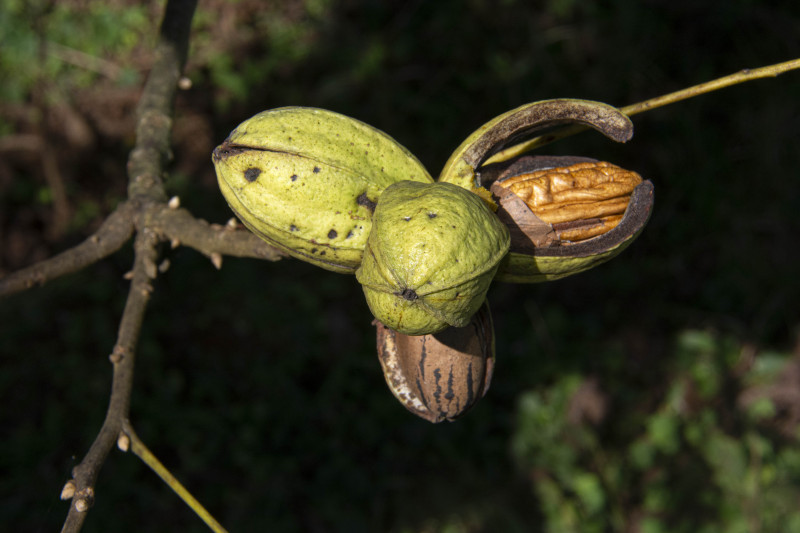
[(658, 392)]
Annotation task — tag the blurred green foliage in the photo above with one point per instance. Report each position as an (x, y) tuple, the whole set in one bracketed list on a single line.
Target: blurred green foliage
[(652, 394), (65, 44), (687, 471)]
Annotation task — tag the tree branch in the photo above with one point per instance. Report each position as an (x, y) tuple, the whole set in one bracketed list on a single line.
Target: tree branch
[(181, 227), (146, 192), (154, 113), (115, 231), (84, 475), (145, 188)]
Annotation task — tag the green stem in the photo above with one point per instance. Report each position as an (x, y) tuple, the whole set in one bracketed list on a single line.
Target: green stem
[(659, 101), (143, 453)]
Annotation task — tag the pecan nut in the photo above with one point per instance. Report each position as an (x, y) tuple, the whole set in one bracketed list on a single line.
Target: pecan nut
[(440, 376)]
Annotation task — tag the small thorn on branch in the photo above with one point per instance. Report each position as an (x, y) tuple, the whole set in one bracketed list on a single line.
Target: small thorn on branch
[(150, 269), (68, 491), (123, 442), (216, 260), (117, 355), (232, 224), (174, 243), (83, 500), (174, 202)]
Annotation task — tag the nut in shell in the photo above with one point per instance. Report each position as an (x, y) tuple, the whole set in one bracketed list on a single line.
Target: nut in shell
[(440, 376), (565, 214)]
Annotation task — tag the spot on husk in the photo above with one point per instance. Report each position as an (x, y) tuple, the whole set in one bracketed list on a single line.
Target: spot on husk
[(251, 174), (364, 201)]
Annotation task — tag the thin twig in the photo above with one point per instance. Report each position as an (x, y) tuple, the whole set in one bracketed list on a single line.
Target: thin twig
[(84, 475), (142, 452), (180, 227), (152, 151), (659, 101), (50, 171), (55, 182), (115, 231), (83, 60), (770, 71)]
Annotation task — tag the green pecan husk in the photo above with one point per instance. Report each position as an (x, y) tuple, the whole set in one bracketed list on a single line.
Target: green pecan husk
[(431, 255), (307, 180)]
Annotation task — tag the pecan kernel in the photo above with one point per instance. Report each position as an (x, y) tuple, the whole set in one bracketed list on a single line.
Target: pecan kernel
[(580, 201)]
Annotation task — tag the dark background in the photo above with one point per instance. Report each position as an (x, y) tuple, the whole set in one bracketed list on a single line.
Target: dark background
[(658, 392)]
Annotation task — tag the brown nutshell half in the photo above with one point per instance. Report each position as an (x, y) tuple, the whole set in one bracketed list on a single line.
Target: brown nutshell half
[(440, 376)]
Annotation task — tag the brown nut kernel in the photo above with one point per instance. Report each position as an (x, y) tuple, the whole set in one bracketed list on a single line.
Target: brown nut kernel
[(439, 376), (580, 201), (542, 251)]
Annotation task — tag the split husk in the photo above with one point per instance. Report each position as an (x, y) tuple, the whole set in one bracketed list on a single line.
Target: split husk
[(540, 250)]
